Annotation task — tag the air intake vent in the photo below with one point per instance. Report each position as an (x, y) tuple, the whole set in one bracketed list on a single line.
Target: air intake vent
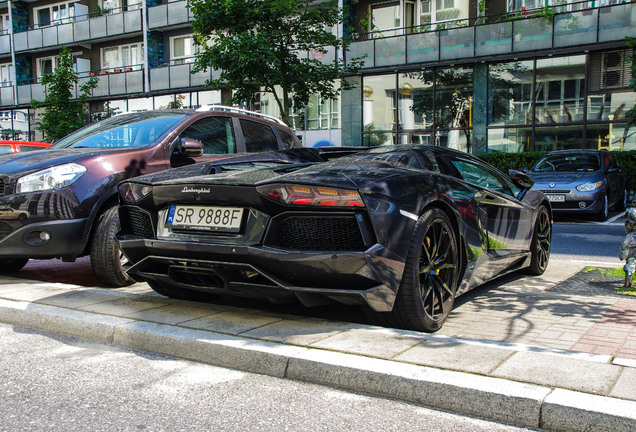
[(136, 222), (1, 187), (321, 233)]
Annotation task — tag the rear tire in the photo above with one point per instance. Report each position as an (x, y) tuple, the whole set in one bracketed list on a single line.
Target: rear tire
[(106, 258), (621, 205), (540, 245), (427, 291), (12, 265)]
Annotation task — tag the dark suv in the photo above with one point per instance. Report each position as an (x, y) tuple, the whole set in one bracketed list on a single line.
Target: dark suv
[(69, 190)]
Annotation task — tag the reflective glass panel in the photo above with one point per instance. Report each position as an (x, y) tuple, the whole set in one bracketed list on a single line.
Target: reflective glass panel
[(453, 97), (560, 90), (379, 103), (510, 95), (416, 100)]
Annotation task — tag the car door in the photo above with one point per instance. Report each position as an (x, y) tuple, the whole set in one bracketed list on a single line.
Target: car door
[(507, 220)]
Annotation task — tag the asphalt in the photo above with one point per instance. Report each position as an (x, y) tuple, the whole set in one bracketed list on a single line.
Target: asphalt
[(556, 352)]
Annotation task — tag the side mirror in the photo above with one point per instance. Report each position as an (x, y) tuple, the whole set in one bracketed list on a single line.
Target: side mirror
[(191, 147), (520, 179)]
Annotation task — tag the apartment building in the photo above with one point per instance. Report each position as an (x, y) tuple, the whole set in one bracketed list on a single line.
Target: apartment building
[(494, 75)]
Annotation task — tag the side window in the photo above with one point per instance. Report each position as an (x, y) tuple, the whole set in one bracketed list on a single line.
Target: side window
[(215, 133), (286, 138), (258, 137), (481, 176)]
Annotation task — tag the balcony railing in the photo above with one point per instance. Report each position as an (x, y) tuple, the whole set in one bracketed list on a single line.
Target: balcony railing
[(169, 14), (110, 84), (178, 77), (87, 29), (583, 27)]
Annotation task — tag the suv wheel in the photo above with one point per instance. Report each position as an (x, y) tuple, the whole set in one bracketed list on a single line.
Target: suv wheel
[(106, 258)]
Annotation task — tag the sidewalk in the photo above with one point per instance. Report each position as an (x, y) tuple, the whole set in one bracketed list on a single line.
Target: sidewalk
[(545, 352)]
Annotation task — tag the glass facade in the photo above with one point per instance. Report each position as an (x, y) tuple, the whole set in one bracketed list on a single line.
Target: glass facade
[(432, 106), (550, 104)]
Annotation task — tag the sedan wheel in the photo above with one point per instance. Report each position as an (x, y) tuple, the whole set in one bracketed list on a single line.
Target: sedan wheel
[(603, 214), (427, 291)]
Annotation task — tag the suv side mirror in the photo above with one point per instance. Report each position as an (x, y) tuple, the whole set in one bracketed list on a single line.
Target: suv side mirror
[(521, 179), (190, 147)]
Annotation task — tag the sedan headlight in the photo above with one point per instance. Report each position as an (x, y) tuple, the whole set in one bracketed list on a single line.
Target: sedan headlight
[(589, 187), (50, 178)]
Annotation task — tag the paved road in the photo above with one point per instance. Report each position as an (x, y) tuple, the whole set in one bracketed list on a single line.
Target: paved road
[(59, 383), (579, 240)]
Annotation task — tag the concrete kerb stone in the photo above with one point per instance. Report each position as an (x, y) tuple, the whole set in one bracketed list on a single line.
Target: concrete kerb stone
[(71, 322), (499, 399), (566, 410), (251, 355), (493, 398)]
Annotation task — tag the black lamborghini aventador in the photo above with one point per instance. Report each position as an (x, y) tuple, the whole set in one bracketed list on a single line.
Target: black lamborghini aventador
[(402, 230)]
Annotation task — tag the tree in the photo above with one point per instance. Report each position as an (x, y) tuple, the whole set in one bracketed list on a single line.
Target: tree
[(63, 114), (263, 45)]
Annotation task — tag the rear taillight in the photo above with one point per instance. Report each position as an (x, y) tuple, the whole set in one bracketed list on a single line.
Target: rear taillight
[(312, 195), (133, 192)]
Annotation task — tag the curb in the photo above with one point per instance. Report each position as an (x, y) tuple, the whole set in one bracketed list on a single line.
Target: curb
[(494, 398)]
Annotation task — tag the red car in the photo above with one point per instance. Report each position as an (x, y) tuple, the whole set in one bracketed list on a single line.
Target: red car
[(20, 146)]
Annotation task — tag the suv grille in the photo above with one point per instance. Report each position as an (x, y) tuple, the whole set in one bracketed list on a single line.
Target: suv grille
[(1, 186), (137, 223), (318, 233)]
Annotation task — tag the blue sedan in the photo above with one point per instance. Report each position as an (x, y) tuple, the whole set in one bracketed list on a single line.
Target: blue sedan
[(581, 181)]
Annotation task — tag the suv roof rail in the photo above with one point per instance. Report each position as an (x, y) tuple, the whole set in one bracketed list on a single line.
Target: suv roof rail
[(240, 111)]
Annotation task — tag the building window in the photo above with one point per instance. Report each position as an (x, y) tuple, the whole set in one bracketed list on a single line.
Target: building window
[(122, 56), (117, 6), (6, 70), (54, 14), (4, 23), (46, 65), (441, 13), (322, 113), (510, 98), (182, 49)]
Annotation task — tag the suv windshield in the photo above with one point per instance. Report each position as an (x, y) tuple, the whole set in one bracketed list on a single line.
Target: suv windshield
[(123, 131), (568, 163)]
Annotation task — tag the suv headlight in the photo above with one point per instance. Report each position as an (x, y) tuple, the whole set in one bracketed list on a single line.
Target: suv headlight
[(50, 178), (589, 187)]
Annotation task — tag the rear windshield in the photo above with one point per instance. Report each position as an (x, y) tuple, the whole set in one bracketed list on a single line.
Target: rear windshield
[(123, 131), (568, 163)]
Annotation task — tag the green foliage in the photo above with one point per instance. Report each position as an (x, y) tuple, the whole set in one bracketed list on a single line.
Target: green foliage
[(63, 114), (263, 44), (508, 161)]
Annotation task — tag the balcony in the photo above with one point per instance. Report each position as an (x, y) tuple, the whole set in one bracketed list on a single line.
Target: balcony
[(178, 77), (170, 14), (84, 28), (118, 83), (529, 35)]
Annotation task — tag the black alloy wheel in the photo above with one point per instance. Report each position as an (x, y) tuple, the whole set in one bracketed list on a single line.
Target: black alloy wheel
[(540, 245), (427, 292)]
